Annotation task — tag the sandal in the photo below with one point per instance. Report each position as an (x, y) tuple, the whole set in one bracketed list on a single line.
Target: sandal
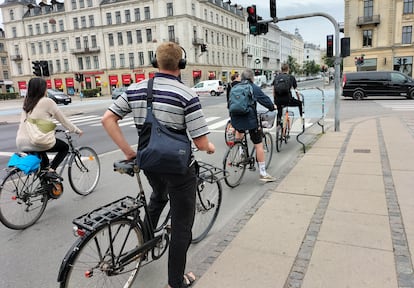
[(189, 279)]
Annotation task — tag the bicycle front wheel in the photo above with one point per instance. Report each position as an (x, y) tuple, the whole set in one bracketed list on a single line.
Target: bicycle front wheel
[(84, 171), (96, 262), (234, 164), (208, 202), (268, 148), (22, 200)]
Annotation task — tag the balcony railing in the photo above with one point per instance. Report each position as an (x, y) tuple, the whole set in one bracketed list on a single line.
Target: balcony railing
[(87, 50), (16, 57), (198, 41), (368, 20)]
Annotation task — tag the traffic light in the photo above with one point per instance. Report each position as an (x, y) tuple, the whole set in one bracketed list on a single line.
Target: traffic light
[(273, 8), (45, 68), (329, 46), (36, 68), (203, 47), (252, 19), (345, 46), (263, 28)]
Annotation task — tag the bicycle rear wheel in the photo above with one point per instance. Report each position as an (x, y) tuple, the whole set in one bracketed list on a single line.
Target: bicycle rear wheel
[(234, 164), (268, 148), (208, 202), (279, 138), (22, 200), (95, 262), (84, 171)]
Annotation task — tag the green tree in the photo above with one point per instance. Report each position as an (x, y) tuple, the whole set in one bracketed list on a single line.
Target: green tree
[(311, 68), (294, 67), (329, 61)]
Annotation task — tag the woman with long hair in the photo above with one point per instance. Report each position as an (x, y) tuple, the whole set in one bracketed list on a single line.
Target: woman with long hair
[(37, 105)]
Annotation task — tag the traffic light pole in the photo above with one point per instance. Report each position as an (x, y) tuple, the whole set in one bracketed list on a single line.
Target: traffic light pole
[(337, 54)]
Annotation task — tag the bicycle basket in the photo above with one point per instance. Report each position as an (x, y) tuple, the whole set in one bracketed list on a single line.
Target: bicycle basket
[(268, 119)]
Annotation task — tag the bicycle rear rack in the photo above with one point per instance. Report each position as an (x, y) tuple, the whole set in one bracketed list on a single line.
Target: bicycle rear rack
[(210, 173), (108, 213)]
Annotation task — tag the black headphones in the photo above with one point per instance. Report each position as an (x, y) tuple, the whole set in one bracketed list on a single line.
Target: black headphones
[(181, 64)]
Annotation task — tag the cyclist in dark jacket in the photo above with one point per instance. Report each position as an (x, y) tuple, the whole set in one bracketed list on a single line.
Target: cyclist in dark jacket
[(249, 122)]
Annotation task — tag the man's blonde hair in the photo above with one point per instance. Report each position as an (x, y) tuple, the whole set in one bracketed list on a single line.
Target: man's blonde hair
[(168, 56)]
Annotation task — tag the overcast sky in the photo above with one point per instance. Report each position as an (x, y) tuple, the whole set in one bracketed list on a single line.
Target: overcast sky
[(313, 29)]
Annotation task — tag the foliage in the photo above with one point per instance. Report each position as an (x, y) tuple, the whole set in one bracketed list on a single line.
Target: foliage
[(91, 92), (311, 68), (6, 96)]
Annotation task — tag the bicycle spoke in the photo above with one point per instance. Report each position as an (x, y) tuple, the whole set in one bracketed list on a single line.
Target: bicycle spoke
[(84, 171), (235, 165)]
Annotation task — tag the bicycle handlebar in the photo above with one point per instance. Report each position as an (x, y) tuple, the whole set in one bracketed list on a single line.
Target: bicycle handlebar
[(128, 167)]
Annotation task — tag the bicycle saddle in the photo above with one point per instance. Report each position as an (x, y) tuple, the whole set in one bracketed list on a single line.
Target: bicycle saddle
[(126, 167)]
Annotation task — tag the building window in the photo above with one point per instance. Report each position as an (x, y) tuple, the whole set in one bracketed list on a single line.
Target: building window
[(64, 48), (127, 16), (122, 60), (95, 62), (30, 27), (129, 37), (88, 62), (83, 22), (48, 48), (150, 55), (111, 39), (32, 48), (14, 32), (367, 38), (113, 61), (93, 40), (85, 42), (89, 2), (80, 63), (139, 36), (120, 39), (73, 4), (91, 21), (406, 34), (108, 18), (171, 33), (53, 28), (45, 28), (408, 6), (58, 66), (368, 8), (81, 3), (40, 47), (66, 64), (147, 14), (11, 13), (170, 10), (141, 58), (137, 14), (118, 17), (75, 23), (131, 60), (6, 74), (55, 45), (38, 32), (78, 43), (19, 68), (61, 26), (149, 35)]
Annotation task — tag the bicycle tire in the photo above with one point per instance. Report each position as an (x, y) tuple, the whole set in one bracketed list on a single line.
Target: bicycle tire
[(208, 203), (268, 148), (93, 257), (84, 171), (22, 200), (234, 164), (279, 138)]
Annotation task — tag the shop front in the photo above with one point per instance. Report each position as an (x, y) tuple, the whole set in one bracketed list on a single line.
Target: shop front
[(22, 88), (70, 86), (196, 76), (113, 81), (58, 84)]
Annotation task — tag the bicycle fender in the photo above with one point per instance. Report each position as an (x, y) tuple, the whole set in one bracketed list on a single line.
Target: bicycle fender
[(68, 259)]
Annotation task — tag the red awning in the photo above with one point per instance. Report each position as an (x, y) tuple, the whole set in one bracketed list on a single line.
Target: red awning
[(49, 83), (113, 79), (126, 79), (196, 73), (58, 83), (22, 84), (151, 74), (69, 82), (139, 77), (211, 74)]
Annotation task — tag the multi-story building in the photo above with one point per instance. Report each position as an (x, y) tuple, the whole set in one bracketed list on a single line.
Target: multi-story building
[(381, 34), (312, 52), (112, 42), (5, 83)]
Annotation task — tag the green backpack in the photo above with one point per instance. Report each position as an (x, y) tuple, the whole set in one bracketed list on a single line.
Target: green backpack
[(241, 98)]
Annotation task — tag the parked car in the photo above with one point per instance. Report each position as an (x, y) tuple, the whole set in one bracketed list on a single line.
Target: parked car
[(58, 96), (117, 92), (359, 85), (212, 87)]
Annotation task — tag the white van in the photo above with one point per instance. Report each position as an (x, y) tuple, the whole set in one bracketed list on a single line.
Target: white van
[(212, 87)]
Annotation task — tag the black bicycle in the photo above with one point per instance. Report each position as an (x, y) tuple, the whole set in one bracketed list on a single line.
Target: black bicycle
[(115, 241), (24, 197), (237, 158)]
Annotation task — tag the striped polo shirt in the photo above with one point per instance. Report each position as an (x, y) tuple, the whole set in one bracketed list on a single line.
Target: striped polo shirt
[(174, 105)]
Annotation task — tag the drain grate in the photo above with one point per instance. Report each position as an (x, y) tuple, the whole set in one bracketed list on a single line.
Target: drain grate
[(362, 150)]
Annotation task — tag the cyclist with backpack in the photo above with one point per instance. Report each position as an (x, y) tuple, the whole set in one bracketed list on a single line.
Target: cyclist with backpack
[(282, 95), (243, 115)]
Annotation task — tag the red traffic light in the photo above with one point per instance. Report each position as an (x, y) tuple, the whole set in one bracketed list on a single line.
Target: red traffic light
[(251, 10)]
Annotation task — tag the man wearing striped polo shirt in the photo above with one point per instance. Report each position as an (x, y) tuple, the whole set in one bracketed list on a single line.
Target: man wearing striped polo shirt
[(177, 107)]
